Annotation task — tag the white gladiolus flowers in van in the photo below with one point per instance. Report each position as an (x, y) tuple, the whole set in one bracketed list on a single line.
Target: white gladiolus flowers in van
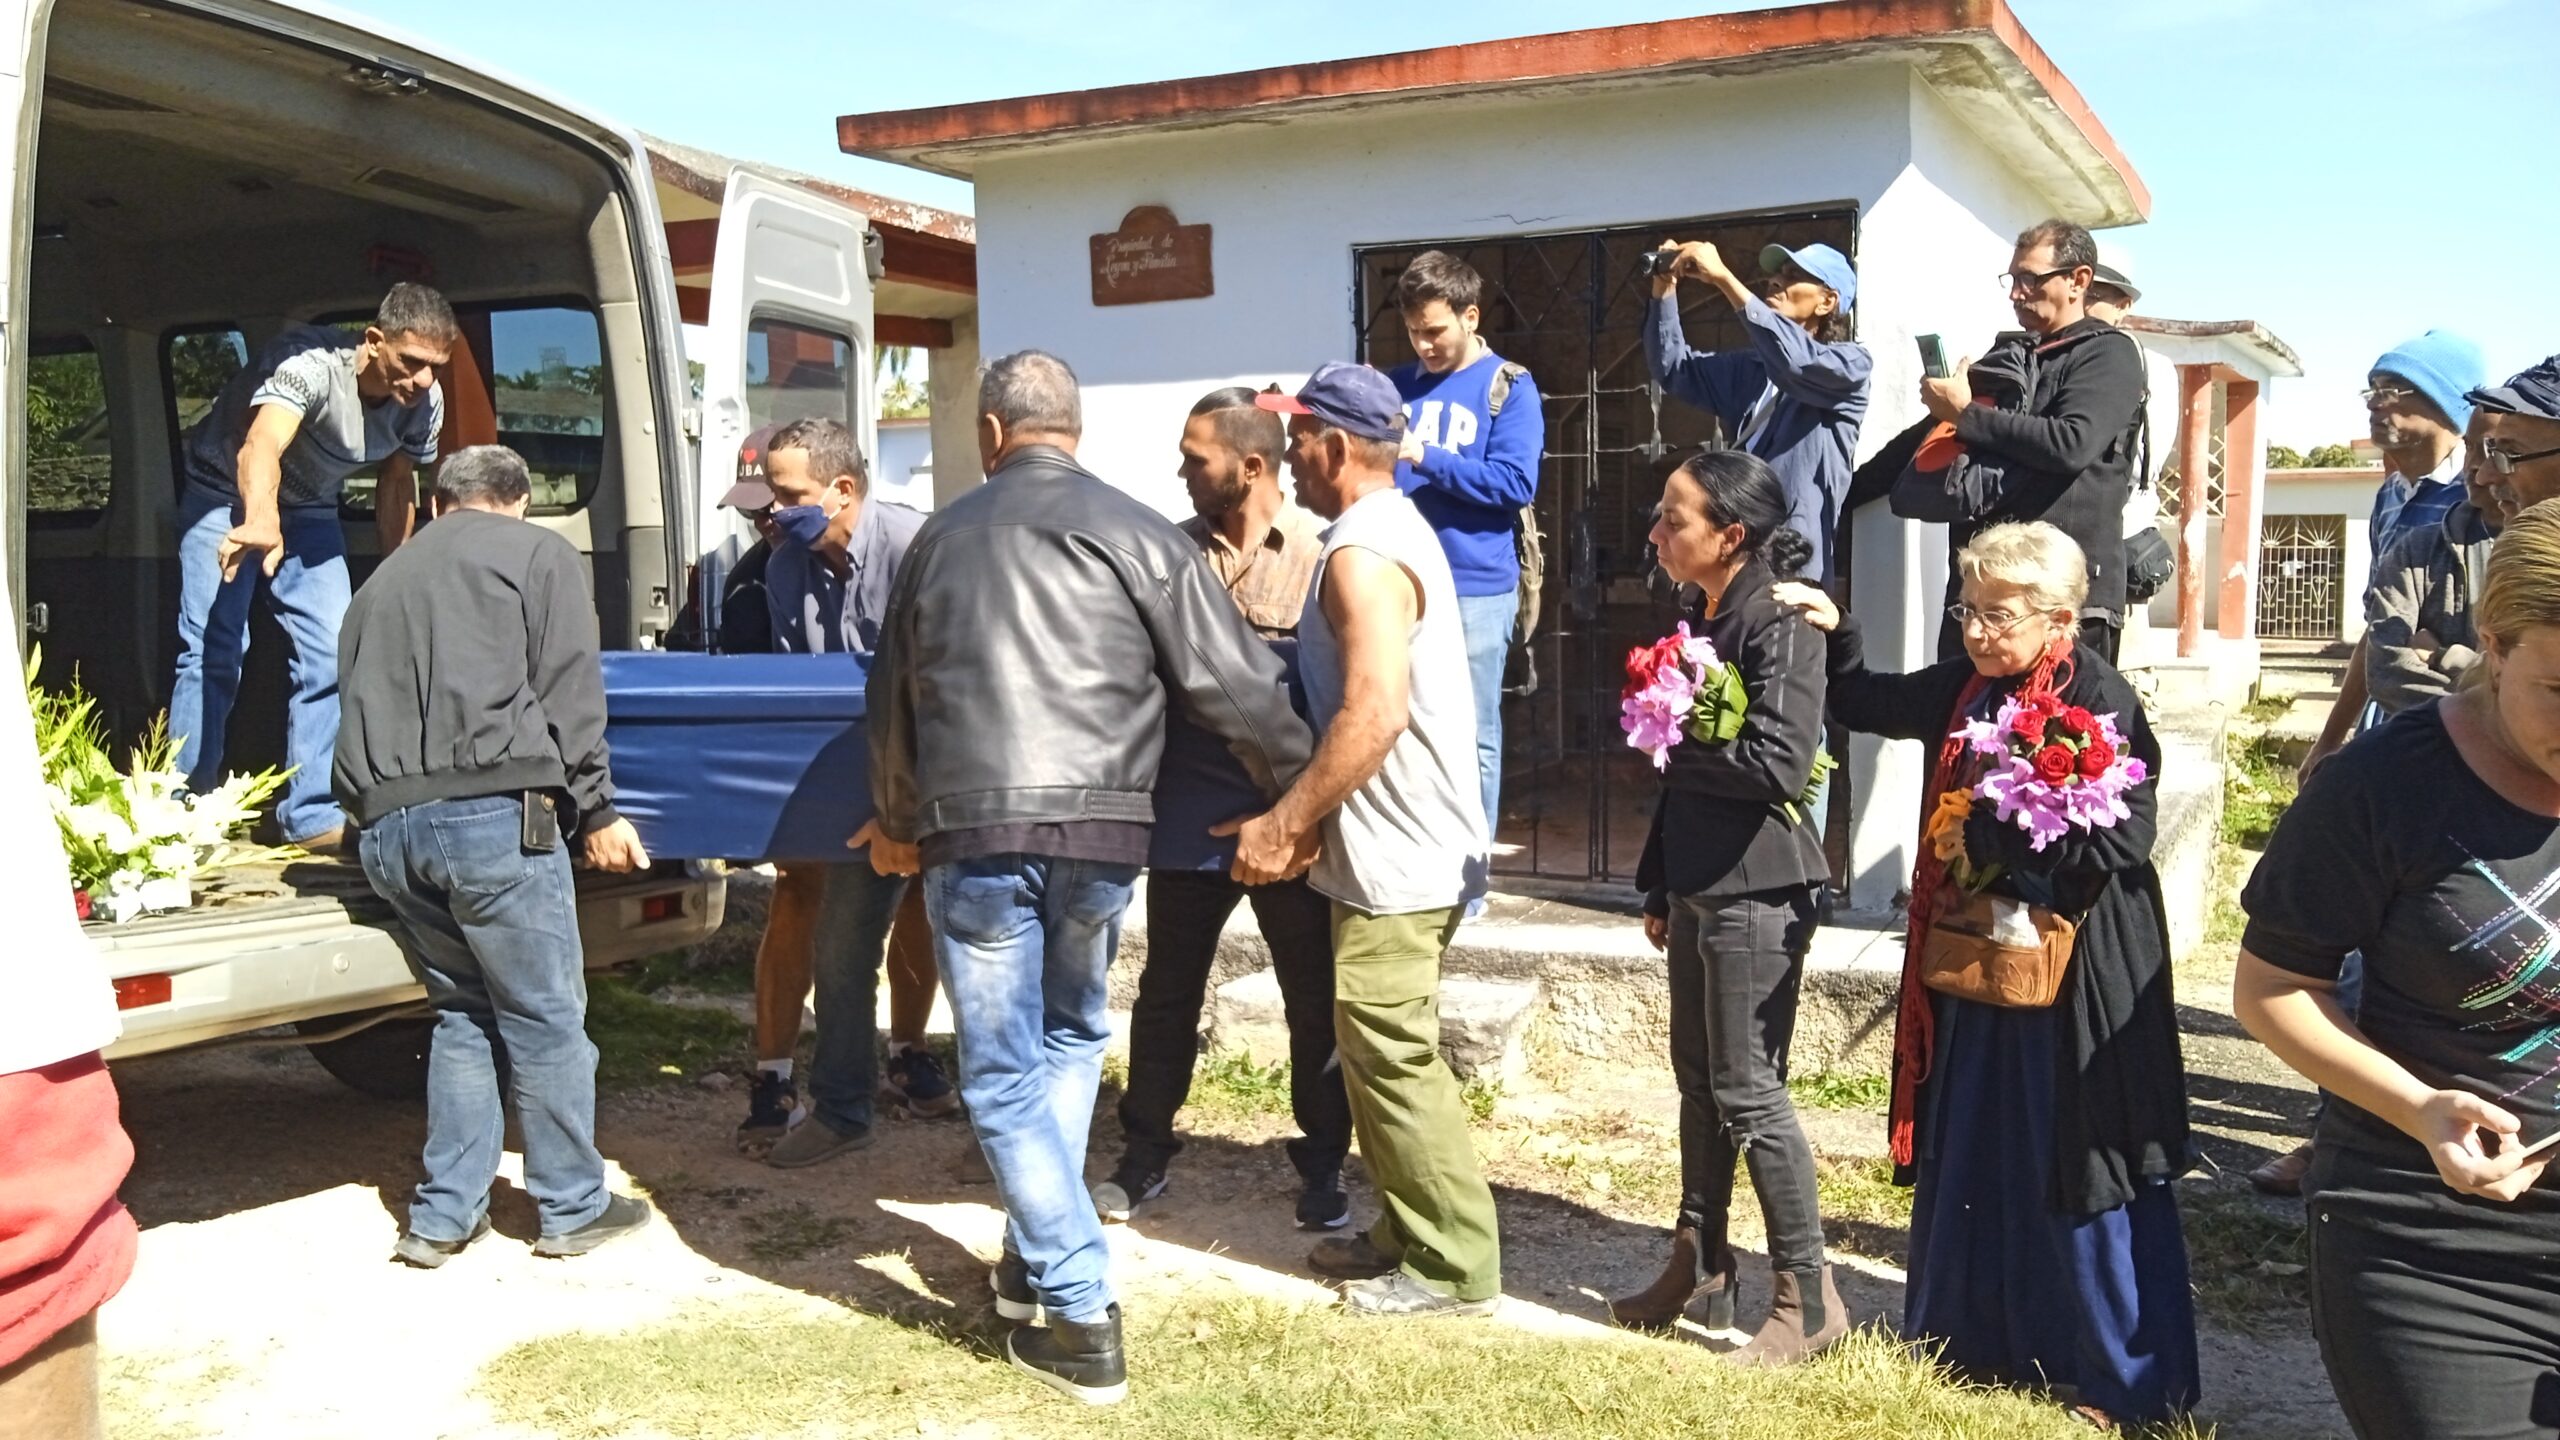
[(135, 839)]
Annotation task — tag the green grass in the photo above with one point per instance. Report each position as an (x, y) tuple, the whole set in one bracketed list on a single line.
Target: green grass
[(1227, 1085), (1238, 1370), (734, 976), (642, 1041), (2266, 709), (2247, 1256), (1841, 1090), (1483, 1096), (2257, 786)]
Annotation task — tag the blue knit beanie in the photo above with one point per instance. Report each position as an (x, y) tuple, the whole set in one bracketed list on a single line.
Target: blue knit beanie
[(2443, 366)]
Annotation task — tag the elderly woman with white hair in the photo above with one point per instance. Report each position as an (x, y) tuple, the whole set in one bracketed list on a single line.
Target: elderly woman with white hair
[(2041, 1126)]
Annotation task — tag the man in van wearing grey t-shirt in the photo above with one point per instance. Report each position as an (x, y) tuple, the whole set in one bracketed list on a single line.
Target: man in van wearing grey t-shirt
[(1390, 817), (259, 512)]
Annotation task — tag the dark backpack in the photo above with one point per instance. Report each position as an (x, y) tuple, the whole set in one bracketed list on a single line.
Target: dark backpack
[(1528, 542), (2148, 564)]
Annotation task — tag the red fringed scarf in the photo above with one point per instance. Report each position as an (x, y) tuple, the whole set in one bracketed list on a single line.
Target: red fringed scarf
[(1914, 1026)]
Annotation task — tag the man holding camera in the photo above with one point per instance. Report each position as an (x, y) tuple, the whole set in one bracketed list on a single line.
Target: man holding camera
[(2065, 450), (1795, 397)]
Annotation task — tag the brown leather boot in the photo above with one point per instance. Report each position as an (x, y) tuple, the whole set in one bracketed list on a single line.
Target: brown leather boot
[(1805, 1317), (1683, 1282)]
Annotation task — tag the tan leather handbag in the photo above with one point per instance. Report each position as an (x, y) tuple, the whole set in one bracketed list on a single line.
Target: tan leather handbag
[(1995, 951)]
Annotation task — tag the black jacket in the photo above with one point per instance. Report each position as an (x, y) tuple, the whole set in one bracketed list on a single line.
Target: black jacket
[(1720, 827), (1039, 626), (467, 667), (746, 621), (2120, 1089), (2069, 453)]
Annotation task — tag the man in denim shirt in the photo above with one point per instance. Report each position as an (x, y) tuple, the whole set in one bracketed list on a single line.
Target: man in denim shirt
[(835, 558)]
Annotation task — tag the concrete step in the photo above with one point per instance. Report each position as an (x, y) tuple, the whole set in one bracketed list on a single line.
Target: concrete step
[(1484, 1024)]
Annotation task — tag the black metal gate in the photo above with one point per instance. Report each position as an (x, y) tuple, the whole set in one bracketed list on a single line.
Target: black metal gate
[(1572, 308)]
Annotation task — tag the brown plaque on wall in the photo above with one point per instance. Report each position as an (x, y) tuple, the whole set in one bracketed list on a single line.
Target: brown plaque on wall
[(1151, 257)]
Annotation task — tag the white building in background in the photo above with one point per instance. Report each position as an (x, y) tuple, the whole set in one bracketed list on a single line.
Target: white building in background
[(1917, 135)]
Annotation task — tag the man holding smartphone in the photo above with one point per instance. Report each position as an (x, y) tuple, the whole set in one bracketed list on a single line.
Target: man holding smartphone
[(1795, 395), (469, 792)]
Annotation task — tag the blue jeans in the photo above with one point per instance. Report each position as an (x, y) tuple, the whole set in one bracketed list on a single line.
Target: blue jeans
[(309, 592), (1025, 945), (493, 935), (852, 936), (1487, 621)]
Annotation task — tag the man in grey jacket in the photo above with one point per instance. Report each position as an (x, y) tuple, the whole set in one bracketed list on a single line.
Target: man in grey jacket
[(1038, 629), (2419, 636), (468, 789)]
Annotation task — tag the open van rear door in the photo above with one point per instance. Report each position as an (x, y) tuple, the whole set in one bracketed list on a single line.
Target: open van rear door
[(789, 330)]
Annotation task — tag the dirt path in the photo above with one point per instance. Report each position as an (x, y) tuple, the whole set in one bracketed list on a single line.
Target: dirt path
[(265, 1304)]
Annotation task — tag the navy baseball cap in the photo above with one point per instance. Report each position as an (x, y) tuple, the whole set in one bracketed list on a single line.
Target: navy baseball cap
[(2534, 393), (1345, 396), (1819, 261)]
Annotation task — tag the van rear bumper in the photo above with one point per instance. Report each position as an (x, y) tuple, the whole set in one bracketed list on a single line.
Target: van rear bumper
[(229, 973)]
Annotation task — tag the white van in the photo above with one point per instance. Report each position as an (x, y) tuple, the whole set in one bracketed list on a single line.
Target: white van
[(191, 175)]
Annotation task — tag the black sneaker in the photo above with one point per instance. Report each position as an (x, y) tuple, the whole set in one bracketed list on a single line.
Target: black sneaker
[(1011, 1280), (1322, 1205), (1081, 1362), (914, 1076), (1130, 1186), (622, 1215), (769, 1107), (427, 1254)]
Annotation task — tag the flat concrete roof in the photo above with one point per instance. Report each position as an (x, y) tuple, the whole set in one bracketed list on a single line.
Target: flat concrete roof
[(1974, 53)]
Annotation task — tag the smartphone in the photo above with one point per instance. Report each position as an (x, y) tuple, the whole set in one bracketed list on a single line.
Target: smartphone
[(1933, 357), (541, 824)]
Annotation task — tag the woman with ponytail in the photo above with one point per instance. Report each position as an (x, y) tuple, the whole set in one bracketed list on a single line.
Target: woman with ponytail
[(2045, 1245), (1729, 874)]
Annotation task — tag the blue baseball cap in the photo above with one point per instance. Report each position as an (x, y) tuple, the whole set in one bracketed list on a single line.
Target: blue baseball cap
[(1347, 397), (1819, 261), (2534, 392)]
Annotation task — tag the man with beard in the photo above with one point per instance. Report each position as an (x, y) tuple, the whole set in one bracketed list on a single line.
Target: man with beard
[(1263, 550)]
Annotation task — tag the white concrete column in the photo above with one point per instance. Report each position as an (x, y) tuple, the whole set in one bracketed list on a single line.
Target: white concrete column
[(951, 389)]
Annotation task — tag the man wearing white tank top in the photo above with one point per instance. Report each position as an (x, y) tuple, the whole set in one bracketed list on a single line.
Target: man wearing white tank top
[(1388, 823)]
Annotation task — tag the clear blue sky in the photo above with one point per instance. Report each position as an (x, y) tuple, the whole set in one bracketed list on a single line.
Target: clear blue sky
[(2348, 172)]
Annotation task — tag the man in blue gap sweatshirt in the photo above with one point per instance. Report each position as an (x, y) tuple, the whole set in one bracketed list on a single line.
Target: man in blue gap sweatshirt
[(1473, 434), (1796, 395)]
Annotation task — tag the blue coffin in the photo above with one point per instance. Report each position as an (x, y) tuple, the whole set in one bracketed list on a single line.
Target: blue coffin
[(738, 757)]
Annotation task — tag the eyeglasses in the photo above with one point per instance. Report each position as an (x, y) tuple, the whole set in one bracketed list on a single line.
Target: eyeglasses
[(2011, 282), (2505, 461), (2386, 394), (1995, 622)]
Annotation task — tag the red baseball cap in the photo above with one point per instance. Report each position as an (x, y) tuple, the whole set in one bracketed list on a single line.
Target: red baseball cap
[(751, 492)]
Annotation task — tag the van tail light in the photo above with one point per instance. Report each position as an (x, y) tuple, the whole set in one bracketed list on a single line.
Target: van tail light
[(656, 908), (135, 991)]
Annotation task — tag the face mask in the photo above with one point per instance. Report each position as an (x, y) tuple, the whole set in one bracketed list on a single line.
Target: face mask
[(800, 526)]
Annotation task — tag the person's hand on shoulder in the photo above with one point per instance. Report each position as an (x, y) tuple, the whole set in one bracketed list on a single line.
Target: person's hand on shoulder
[(1820, 610), (616, 849)]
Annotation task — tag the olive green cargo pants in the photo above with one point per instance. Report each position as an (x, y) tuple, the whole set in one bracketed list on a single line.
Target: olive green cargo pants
[(1436, 1213)]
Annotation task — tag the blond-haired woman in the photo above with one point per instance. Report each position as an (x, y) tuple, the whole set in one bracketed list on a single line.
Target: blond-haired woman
[(2045, 1246), (2432, 845)]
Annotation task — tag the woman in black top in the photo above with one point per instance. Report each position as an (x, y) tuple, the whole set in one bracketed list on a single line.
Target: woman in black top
[(2045, 1242), (2432, 845), (1729, 873)]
